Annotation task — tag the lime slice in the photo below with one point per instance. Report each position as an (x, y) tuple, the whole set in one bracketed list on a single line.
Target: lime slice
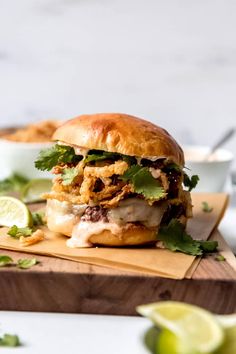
[(197, 329), (14, 212), (34, 189)]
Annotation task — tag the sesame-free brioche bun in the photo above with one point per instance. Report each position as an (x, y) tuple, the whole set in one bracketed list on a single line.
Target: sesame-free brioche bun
[(120, 133)]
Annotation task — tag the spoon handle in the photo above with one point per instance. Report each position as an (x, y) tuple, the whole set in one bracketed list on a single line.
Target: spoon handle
[(219, 143)]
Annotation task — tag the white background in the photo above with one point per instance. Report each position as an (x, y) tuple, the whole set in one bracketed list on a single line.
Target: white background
[(169, 61)]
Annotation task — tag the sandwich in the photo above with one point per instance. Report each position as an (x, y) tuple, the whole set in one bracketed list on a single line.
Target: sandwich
[(118, 180)]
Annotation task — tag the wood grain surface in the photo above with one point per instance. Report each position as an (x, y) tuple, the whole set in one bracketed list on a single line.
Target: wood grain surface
[(57, 285)]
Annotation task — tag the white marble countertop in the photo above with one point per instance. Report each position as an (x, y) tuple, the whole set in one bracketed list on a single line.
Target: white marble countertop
[(44, 333)]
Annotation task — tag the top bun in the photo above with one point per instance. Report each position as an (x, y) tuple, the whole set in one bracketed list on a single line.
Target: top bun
[(121, 133)]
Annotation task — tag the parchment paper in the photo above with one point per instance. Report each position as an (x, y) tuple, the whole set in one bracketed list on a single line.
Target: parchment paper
[(152, 261)]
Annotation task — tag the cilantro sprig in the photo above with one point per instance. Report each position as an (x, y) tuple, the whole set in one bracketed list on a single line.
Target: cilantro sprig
[(14, 183), (17, 232), (206, 207), (26, 263), (38, 218), (9, 340), (175, 238), (5, 260), (55, 155), (143, 182), (190, 183), (23, 263)]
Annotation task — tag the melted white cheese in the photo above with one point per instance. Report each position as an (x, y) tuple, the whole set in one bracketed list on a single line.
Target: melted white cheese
[(82, 232), (135, 209), (62, 216)]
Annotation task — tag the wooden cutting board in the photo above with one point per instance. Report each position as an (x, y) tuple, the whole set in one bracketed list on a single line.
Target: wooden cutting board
[(57, 285)]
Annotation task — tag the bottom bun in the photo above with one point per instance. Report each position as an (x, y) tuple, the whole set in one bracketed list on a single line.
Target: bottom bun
[(133, 236)]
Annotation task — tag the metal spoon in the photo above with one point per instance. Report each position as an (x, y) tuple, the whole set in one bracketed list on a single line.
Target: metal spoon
[(226, 136)]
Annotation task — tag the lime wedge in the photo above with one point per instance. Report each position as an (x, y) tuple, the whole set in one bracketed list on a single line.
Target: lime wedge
[(34, 189), (168, 342), (228, 322), (229, 345), (193, 329), (14, 212)]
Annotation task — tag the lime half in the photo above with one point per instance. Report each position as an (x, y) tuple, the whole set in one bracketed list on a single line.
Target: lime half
[(34, 189), (14, 212), (192, 329)]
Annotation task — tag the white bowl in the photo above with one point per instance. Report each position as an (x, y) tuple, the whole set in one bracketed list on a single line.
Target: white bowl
[(17, 157), (213, 173)]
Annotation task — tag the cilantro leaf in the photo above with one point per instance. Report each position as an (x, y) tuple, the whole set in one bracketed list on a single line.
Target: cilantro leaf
[(17, 232), (68, 175), (175, 238), (220, 258), (5, 260), (208, 246), (55, 155), (10, 340), (143, 182), (38, 218), (26, 263), (99, 155), (206, 208), (190, 182), (14, 183)]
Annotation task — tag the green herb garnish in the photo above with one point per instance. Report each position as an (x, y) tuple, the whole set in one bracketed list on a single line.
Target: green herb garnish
[(38, 218), (206, 208), (99, 155), (17, 232), (143, 182), (190, 183), (220, 258), (55, 155), (9, 340), (5, 260), (14, 183), (26, 263), (68, 175), (23, 263), (175, 238)]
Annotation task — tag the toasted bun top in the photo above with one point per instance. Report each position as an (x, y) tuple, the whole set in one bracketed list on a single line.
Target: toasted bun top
[(121, 133)]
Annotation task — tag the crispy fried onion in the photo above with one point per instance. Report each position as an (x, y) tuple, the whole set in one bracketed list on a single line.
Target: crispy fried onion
[(85, 192), (91, 174), (117, 168)]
